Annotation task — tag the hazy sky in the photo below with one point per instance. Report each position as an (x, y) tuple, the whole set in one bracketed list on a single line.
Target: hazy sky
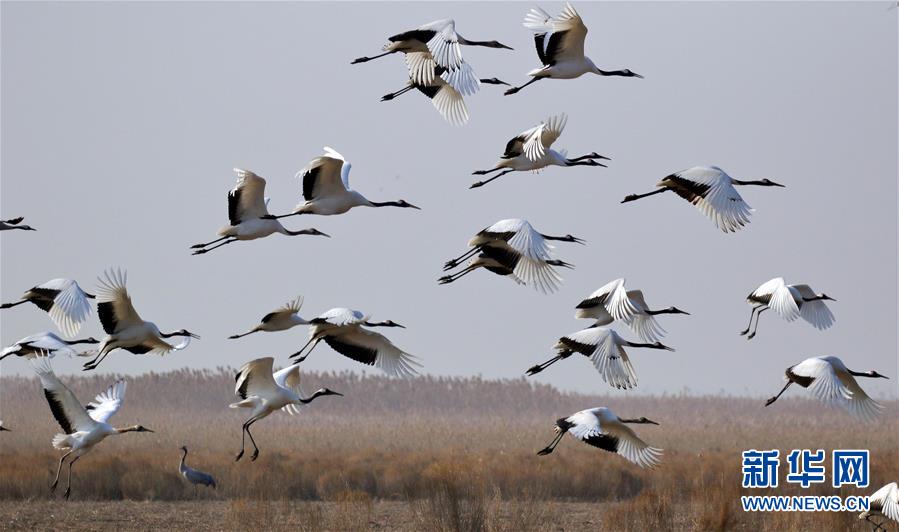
[(121, 123)]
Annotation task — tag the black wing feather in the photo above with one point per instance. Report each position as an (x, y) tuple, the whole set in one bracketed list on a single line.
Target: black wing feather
[(361, 354), (107, 316), (58, 412)]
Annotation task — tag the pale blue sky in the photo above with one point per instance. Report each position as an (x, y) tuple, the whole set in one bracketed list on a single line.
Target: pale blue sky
[(121, 123)]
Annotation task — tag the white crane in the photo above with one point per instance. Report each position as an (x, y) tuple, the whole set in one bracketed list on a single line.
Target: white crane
[(49, 343), (712, 191), (614, 302), (280, 319), (531, 151), (124, 327), (264, 392), (789, 301), (831, 382), (15, 223), (438, 41), (446, 89), (514, 249), (605, 349), (560, 47), (65, 302), (83, 426), (342, 329), (326, 188), (600, 427), (248, 215), (883, 503), (194, 476)]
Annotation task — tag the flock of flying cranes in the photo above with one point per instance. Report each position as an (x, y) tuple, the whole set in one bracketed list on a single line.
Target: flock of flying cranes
[(510, 248)]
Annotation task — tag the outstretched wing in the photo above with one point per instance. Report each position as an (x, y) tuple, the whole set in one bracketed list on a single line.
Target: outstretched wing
[(70, 306), (710, 189), (326, 175), (69, 413), (601, 345), (558, 39), (613, 296), (444, 45), (289, 378), (630, 446), (779, 298), (373, 349), (106, 404), (246, 201), (543, 136), (644, 325), (255, 378), (815, 312), (114, 304)]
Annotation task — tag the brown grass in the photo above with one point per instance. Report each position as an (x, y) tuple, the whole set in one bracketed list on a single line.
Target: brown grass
[(453, 455)]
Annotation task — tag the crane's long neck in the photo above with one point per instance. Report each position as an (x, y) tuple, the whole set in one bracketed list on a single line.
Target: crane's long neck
[(312, 397), (288, 232), (385, 204), (85, 341), (183, 457), (738, 182)]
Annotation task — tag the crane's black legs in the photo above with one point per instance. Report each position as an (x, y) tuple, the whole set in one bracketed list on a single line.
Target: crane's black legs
[(485, 172), (236, 336), (787, 385), (203, 245), (304, 357), (455, 262), (757, 318), (207, 250), (58, 469), (540, 367), (11, 305), (513, 90), (497, 176), (634, 197), (751, 315), (69, 478), (92, 364), (393, 95), (366, 59), (446, 279), (244, 431), (552, 446)]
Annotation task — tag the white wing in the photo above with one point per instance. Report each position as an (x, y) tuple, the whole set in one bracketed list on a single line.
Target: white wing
[(837, 387), (291, 307), (781, 298), (71, 306), (289, 378), (630, 446), (463, 79), (531, 268), (45, 341), (246, 201), (444, 45), (720, 202), (255, 378), (374, 349), (538, 139), (609, 358), (614, 297), (888, 497), (342, 316), (421, 67), (815, 312), (327, 175), (106, 404), (568, 29), (66, 408), (114, 304), (450, 104), (644, 325)]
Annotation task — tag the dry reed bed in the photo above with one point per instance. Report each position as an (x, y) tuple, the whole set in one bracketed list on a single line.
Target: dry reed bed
[(456, 452)]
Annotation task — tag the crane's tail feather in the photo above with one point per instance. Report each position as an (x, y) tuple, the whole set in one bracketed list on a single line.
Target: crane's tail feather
[(246, 403)]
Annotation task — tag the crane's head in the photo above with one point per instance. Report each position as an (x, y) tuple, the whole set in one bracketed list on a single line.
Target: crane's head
[(391, 323), (326, 391), (182, 332), (876, 375), (135, 428), (827, 297), (406, 204), (675, 310), (184, 449), (768, 183)]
